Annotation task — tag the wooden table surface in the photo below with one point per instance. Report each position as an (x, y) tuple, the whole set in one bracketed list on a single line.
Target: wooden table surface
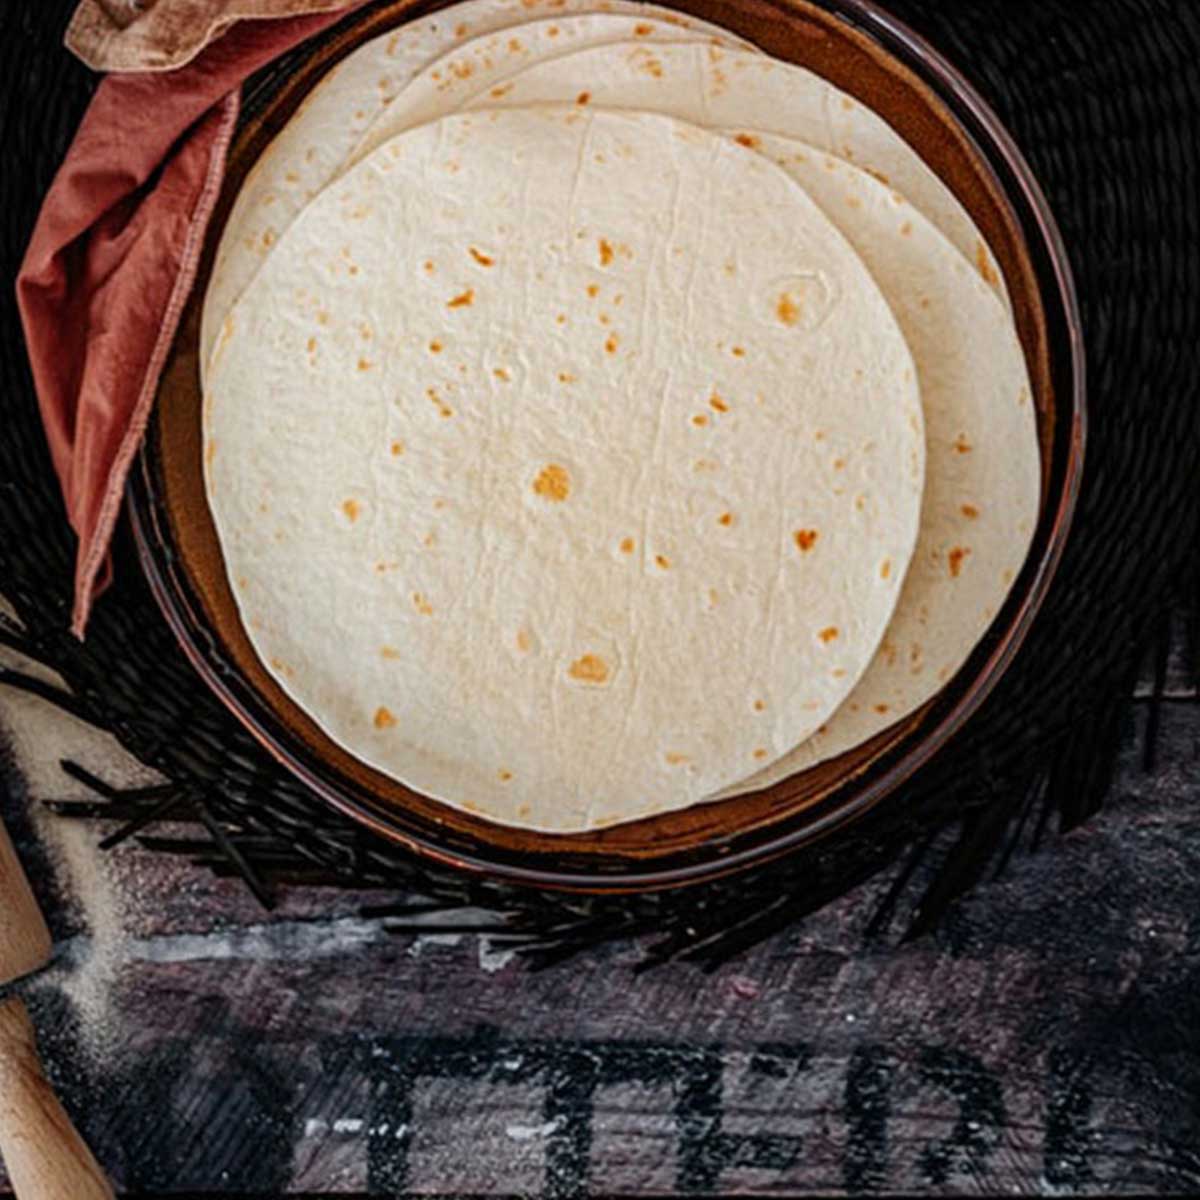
[(1046, 1040)]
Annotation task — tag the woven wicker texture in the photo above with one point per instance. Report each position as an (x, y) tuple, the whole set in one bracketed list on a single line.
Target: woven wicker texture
[(1104, 100)]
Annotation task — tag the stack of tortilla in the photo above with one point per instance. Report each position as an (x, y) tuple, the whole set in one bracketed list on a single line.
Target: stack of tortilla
[(602, 417)]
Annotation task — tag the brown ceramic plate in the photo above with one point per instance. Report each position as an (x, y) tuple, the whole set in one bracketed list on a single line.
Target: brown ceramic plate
[(865, 51)]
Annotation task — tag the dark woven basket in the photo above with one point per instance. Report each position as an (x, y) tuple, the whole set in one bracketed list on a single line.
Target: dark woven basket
[(1103, 99)]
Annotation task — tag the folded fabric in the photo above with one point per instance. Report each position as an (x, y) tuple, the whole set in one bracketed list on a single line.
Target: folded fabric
[(113, 257), (159, 35)]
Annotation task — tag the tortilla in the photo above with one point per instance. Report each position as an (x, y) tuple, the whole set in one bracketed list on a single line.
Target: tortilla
[(317, 142), (983, 466), (733, 89), (557, 456)]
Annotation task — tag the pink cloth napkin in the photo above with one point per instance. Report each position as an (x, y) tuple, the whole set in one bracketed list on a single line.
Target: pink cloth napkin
[(113, 257)]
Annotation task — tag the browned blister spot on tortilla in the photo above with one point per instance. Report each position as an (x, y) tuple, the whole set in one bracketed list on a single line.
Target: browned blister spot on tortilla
[(906, 229), (881, 709), (748, 140), (422, 605), (435, 347), (592, 290), (806, 539), (444, 410), (389, 652), (643, 30), (760, 753), (565, 377), (700, 420), (726, 519), (606, 251), (505, 776), (351, 508), (954, 560), (828, 634), (663, 561), (787, 309), (311, 345), (969, 511), (553, 483), (760, 705), (738, 352), (583, 97), (502, 90), (383, 718), (484, 260), (610, 344), (589, 668), (210, 451), (839, 464), (561, 319), (962, 445), (397, 448), (717, 404), (983, 261), (674, 759), (462, 300)]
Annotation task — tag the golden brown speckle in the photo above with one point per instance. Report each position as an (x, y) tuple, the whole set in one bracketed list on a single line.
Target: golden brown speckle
[(553, 483), (726, 519), (787, 309), (364, 364), (592, 290), (428, 266), (969, 511), (748, 140), (565, 377), (484, 260), (397, 448), (383, 718), (984, 263), (501, 374), (806, 539), (505, 776), (962, 445), (351, 508), (699, 420), (760, 753), (881, 708), (906, 229), (610, 344), (717, 404), (422, 605), (674, 759), (662, 561), (955, 560), (627, 545), (738, 352), (643, 30), (435, 347), (462, 300), (583, 97), (389, 652), (760, 705), (606, 252), (828, 634), (589, 668), (210, 451)]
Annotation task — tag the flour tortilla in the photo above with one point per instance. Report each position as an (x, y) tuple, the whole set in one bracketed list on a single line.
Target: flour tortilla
[(983, 466), (733, 89), (316, 144), (427, 443)]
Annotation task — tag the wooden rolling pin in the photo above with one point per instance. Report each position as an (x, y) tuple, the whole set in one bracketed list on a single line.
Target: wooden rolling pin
[(44, 1155)]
